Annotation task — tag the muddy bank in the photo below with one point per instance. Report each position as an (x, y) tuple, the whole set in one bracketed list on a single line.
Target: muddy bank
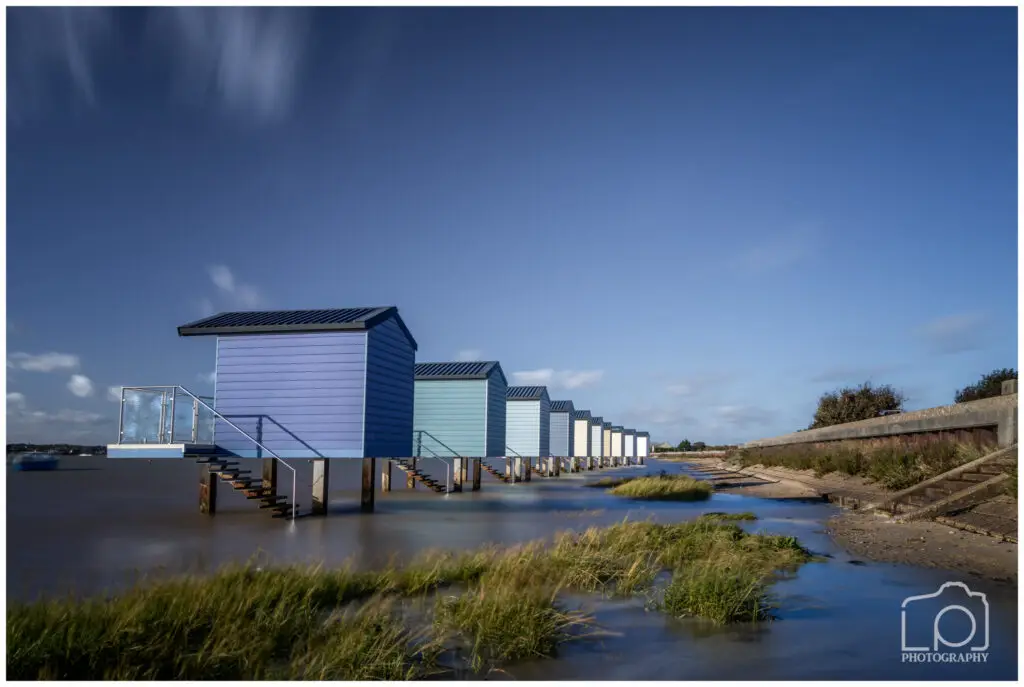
[(926, 544), (874, 536)]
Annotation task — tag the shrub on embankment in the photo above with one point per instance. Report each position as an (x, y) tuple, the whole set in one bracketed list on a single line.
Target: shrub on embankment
[(894, 466), (491, 606)]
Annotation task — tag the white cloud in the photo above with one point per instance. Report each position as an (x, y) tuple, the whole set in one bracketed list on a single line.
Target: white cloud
[(955, 333), (80, 386), (558, 379), (15, 399), (44, 362), (778, 251), (207, 377), (232, 292), (114, 394), (468, 355), (38, 426), (570, 379), (249, 57), (534, 377), (51, 44)]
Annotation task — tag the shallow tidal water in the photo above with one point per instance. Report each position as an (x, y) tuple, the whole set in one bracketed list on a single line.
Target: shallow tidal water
[(96, 523)]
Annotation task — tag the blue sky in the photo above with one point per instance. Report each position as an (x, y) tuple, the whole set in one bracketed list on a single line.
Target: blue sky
[(692, 221)]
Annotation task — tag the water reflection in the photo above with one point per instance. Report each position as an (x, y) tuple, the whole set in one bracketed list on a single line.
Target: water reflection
[(92, 529)]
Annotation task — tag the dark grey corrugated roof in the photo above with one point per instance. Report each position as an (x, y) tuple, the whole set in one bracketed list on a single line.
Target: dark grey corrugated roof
[(616, 428), (526, 393), (597, 420), (561, 406), (458, 370), (581, 415), (606, 425), (293, 321), (644, 434), (629, 431)]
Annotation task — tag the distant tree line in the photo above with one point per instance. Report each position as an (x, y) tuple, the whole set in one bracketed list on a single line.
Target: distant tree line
[(687, 445), (57, 449)]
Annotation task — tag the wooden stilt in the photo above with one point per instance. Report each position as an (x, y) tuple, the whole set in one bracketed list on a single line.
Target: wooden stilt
[(270, 475), (385, 476), (457, 472), (321, 481), (369, 473), (410, 481), (476, 473), (207, 491)]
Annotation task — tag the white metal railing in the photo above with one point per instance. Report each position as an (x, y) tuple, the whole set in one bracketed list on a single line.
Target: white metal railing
[(197, 401)]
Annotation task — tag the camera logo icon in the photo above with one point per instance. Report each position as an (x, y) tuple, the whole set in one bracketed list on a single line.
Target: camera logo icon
[(949, 625)]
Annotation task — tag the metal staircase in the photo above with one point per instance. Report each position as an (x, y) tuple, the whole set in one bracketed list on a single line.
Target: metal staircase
[(166, 420), (251, 488), (406, 466)]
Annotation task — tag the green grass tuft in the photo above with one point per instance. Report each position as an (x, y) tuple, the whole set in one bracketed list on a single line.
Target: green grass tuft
[(310, 623), (725, 517), (665, 488)]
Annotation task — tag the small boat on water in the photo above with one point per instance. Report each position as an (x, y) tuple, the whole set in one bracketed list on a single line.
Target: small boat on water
[(36, 461)]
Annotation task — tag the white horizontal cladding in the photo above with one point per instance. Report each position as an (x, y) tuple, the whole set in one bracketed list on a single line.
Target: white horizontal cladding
[(616, 444), (628, 445), (642, 446), (581, 438)]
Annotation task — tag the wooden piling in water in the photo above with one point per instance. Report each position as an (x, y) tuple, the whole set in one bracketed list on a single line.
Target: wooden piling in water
[(410, 480), (207, 491), (321, 479), (369, 473), (476, 473), (457, 473), (385, 476), (270, 476)]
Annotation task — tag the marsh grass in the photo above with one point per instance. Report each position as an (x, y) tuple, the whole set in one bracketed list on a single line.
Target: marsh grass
[(725, 517), (894, 466), (720, 591), (608, 482), (343, 624), (665, 487)]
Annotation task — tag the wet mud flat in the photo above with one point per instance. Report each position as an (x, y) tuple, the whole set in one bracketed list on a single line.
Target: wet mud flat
[(875, 536), (838, 618)]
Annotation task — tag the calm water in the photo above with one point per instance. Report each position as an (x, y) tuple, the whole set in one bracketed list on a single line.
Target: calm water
[(95, 523)]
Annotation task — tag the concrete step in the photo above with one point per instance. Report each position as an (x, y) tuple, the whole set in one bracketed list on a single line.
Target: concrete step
[(975, 477), (995, 468)]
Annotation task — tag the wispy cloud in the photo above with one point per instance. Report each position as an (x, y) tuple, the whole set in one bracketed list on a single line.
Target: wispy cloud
[(248, 57), (207, 377), (955, 333), (698, 385), (230, 292), (851, 374), (80, 386), (558, 379), (27, 424), (742, 416), (373, 50), (778, 251), (543, 377), (114, 394), (51, 46), (468, 355), (43, 362)]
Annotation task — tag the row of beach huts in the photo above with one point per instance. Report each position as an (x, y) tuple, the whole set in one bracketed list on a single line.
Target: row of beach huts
[(344, 383)]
